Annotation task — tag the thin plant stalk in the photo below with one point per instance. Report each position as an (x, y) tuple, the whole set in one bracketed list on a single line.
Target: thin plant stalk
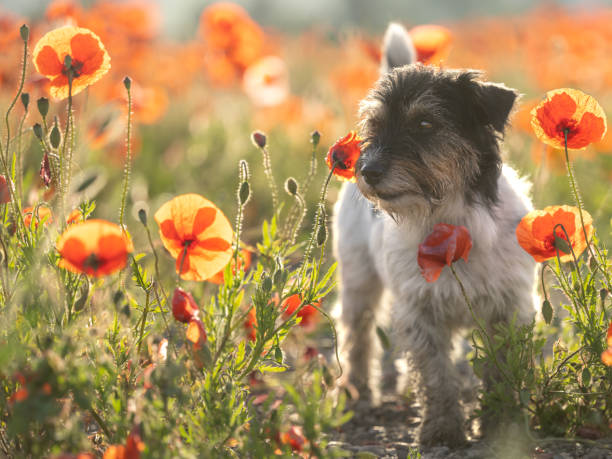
[(128, 156)]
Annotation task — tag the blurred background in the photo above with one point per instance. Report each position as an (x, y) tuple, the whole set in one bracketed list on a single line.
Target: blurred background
[(207, 74)]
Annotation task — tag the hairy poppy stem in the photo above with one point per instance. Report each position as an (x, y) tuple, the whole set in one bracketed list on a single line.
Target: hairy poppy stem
[(267, 164), (5, 155), (578, 199), (479, 324), (128, 157)]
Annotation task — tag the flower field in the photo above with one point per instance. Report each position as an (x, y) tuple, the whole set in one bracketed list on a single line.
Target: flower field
[(166, 275)]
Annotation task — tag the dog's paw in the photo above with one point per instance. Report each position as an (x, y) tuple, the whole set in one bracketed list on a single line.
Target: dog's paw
[(442, 432)]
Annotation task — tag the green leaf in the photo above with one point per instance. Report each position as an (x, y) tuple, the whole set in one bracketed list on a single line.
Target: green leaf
[(585, 377), (547, 312), (272, 368)]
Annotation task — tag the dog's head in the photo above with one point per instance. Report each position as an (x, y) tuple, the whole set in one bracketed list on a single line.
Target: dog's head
[(429, 134)]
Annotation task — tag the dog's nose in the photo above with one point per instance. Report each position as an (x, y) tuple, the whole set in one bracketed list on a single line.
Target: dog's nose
[(372, 172)]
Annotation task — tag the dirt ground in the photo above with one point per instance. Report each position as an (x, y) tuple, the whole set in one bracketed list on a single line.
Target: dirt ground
[(390, 430)]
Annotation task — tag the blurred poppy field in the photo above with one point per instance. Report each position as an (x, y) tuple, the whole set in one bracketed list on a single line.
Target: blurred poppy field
[(165, 265)]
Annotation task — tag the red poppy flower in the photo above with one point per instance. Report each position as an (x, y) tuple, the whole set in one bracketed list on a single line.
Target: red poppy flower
[(266, 82), (197, 235), (196, 333), (344, 154), (250, 325), (43, 214), (94, 247), (5, 195), (536, 236), (244, 261), (89, 59), (606, 356), (443, 246), (568, 110), (294, 437), (431, 42), (74, 216), (309, 314), (184, 306), (132, 449)]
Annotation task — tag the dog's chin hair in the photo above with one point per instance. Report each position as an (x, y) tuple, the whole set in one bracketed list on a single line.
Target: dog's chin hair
[(407, 207)]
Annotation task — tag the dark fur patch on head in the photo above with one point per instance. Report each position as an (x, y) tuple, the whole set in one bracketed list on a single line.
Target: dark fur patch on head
[(435, 132)]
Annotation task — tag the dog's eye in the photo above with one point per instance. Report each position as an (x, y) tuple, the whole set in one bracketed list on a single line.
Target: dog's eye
[(425, 125)]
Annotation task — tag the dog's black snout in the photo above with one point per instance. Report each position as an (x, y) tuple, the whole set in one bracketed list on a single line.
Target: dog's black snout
[(372, 172)]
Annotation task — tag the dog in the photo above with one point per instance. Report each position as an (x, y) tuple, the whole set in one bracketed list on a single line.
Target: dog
[(430, 154)]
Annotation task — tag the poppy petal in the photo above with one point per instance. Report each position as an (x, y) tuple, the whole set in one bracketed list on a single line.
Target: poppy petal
[(47, 62)]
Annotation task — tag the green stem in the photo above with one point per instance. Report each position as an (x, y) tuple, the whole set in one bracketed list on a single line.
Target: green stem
[(144, 321), (128, 160), (268, 171)]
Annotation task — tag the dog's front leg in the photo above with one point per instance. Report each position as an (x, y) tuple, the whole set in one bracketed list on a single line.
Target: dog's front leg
[(430, 346)]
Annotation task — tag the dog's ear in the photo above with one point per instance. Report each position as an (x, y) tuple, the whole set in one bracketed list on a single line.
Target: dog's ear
[(494, 102), (397, 49)]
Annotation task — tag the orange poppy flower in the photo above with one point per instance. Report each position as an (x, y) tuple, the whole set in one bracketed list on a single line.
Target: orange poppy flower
[(197, 235), (250, 325), (266, 82), (244, 261), (184, 306), (431, 42), (74, 216), (443, 246), (94, 247), (571, 111), (536, 236), (89, 59), (294, 437), (5, 195), (232, 39), (344, 154), (43, 213), (606, 356), (132, 449), (309, 314), (196, 333)]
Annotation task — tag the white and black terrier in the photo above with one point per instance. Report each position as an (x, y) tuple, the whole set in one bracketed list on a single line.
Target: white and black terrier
[(430, 154)]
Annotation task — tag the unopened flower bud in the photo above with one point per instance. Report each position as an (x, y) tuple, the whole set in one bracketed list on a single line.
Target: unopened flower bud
[(38, 132), (184, 307), (259, 139), (25, 100), (244, 193), (315, 136), (24, 31), (267, 284), (43, 106), (55, 136), (291, 186), (142, 216), (127, 82), (67, 61), (321, 235)]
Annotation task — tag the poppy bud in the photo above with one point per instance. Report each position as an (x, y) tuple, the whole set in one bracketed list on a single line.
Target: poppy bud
[(43, 106), (184, 307), (266, 284), (291, 186), (321, 235), (55, 136), (37, 128), (244, 193), (259, 139), (25, 100), (68, 61), (127, 82), (142, 216), (315, 136), (547, 311), (24, 31)]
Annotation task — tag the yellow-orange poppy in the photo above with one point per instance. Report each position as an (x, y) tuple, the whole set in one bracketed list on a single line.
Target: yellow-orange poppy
[(94, 247), (197, 235), (606, 356), (568, 112), (42, 214), (431, 42), (89, 60), (536, 234)]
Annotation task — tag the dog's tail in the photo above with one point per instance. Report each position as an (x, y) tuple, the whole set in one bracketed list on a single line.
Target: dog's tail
[(397, 49)]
